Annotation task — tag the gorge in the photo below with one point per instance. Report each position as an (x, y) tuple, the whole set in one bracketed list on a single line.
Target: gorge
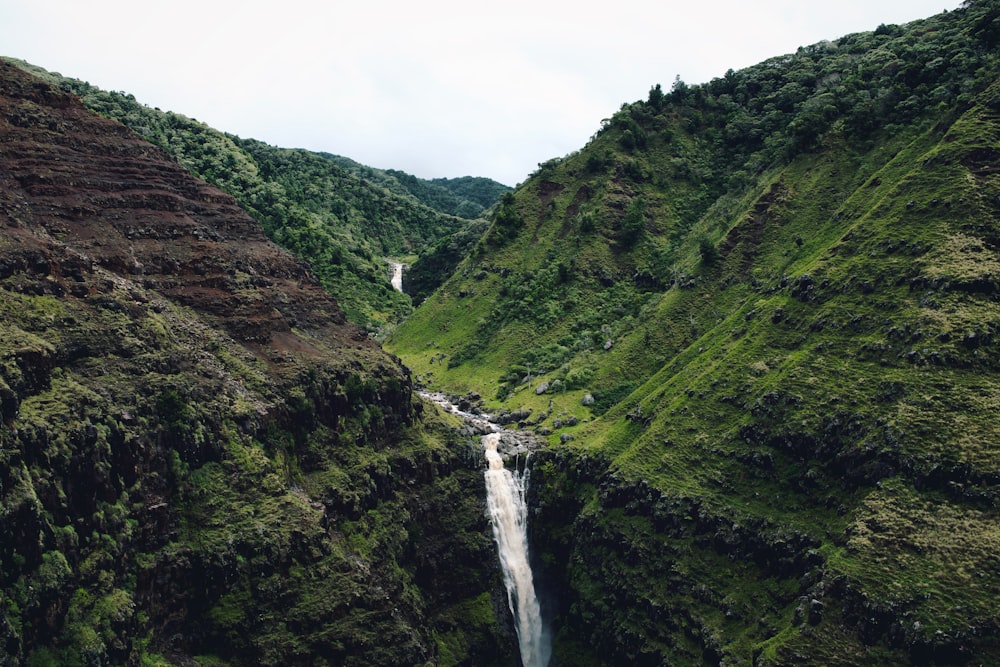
[(753, 326), (507, 505)]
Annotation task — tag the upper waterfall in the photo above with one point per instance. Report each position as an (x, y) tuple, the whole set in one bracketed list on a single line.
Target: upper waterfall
[(397, 276)]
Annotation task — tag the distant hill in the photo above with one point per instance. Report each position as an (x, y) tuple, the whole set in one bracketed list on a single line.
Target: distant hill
[(341, 217), (759, 320), (466, 197)]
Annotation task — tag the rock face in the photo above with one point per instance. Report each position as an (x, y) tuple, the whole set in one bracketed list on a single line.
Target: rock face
[(83, 195), (199, 455)]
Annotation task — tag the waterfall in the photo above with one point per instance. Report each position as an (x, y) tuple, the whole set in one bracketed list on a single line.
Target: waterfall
[(508, 510), (505, 494), (397, 276)]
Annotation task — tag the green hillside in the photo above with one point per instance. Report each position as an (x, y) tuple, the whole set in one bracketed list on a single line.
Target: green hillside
[(466, 196), (343, 218), (759, 319)]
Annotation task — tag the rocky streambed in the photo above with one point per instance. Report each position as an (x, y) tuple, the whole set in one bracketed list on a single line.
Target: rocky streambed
[(512, 443)]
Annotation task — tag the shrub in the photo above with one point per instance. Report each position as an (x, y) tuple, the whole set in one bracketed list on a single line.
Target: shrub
[(634, 222), (709, 253)]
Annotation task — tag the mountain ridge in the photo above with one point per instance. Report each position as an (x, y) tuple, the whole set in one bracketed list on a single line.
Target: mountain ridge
[(757, 320), (464, 196)]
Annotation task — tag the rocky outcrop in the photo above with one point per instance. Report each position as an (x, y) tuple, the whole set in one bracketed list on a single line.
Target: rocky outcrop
[(634, 574)]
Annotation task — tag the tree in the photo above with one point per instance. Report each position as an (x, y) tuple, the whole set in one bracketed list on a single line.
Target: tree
[(634, 222), (679, 90), (656, 97), (709, 253), (506, 221)]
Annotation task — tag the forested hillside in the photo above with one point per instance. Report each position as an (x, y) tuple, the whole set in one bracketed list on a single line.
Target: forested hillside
[(201, 460), (465, 196), (759, 320), (341, 217)]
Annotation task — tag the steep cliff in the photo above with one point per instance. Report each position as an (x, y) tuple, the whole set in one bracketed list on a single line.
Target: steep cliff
[(200, 456), (341, 217)]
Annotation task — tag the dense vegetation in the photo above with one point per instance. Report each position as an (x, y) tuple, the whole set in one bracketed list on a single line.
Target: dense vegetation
[(201, 460), (759, 319), (341, 217), (466, 197), (433, 266), (646, 204)]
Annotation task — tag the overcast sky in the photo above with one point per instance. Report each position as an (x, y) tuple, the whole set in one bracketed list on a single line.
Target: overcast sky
[(435, 88)]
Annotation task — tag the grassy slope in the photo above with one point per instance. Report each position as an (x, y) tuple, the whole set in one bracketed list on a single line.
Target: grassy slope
[(861, 416), (807, 417)]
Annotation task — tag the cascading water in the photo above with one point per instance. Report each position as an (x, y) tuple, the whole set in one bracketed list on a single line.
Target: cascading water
[(505, 496), (397, 276), (508, 509)]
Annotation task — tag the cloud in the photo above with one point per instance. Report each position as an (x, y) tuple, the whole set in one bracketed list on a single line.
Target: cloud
[(439, 88)]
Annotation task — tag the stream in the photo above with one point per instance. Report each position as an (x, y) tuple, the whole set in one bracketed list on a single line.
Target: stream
[(508, 511)]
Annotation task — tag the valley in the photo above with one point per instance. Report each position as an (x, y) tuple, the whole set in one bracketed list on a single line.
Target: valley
[(752, 324)]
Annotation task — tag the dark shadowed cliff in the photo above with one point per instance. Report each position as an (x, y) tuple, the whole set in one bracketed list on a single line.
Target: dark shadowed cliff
[(199, 456)]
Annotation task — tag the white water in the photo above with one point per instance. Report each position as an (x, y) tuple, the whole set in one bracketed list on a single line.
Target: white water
[(397, 276), (505, 492), (508, 509)]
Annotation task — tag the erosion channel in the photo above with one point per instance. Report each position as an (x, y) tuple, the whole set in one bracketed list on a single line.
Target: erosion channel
[(506, 490)]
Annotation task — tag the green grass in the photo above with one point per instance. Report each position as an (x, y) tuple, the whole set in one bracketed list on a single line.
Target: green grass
[(833, 369)]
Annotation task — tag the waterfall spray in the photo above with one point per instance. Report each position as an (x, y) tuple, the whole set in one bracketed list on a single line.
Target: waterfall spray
[(505, 493)]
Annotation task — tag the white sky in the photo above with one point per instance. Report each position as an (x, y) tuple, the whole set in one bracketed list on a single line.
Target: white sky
[(432, 87)]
